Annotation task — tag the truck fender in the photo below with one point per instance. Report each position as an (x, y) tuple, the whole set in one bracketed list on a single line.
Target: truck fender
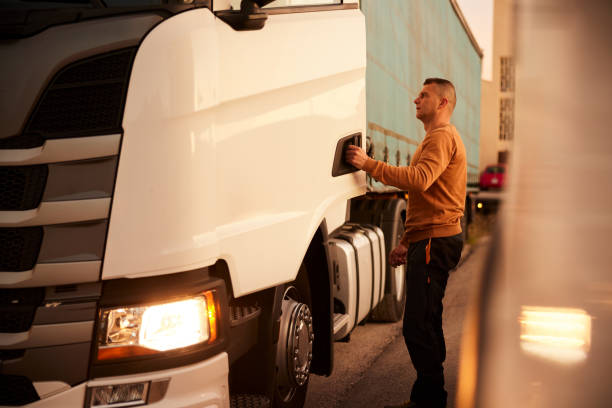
[(319, 268)]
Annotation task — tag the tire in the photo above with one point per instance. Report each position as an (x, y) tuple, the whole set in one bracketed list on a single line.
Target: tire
[(391, 307), (297, 299)]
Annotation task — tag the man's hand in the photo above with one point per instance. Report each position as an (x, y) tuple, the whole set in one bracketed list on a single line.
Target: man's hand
[(397, 257), (355, 156)]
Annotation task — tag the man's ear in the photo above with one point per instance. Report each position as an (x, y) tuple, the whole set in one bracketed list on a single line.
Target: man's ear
[(443, 103)]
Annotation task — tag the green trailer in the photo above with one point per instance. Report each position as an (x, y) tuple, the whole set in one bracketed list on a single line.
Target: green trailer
[(407, 42)]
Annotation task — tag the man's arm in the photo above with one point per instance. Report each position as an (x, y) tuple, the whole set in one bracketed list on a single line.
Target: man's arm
[(437, 151)]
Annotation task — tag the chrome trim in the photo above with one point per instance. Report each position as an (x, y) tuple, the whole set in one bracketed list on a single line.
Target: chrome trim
[(61, 150), (48, 335), (57, 212), (50, 274)]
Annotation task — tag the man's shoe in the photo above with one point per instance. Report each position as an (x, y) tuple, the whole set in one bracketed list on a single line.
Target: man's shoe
[(407, 404)]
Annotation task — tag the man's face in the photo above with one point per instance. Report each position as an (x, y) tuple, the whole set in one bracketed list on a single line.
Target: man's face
[(427, 102)]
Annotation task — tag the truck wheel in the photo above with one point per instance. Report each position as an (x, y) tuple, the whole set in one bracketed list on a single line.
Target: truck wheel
[(294, 347), (391, 307)]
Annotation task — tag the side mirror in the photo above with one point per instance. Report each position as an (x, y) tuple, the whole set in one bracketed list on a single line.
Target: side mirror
[(249, 17), (262, 3)]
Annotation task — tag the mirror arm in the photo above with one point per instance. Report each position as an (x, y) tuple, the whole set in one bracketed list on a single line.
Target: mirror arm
[(249, 17)]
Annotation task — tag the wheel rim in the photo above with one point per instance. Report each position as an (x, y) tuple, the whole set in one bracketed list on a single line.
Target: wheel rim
[(294, 352), (400, 276), (400, 271)]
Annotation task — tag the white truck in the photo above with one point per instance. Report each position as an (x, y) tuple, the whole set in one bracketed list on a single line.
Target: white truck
[(177, 224)]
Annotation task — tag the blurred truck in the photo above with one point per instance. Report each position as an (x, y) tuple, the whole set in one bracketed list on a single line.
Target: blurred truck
[(177, 224), (539, 331)]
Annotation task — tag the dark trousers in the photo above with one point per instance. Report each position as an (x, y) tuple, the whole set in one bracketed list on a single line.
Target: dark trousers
[(425, 286)]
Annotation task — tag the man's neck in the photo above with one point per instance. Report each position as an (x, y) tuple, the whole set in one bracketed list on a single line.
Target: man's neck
[(435, 123)]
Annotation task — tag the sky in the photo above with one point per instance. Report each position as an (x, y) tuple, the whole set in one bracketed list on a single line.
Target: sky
[(479, 14)]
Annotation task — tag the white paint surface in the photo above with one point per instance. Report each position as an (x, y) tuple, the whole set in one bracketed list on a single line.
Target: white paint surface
[(229, 143)]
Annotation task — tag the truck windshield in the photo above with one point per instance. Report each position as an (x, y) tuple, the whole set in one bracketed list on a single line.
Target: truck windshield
[(59, 4), (495, 169), (23, 18), (50, 4)]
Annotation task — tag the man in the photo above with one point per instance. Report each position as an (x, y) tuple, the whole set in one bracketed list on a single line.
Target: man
[(432, 241)]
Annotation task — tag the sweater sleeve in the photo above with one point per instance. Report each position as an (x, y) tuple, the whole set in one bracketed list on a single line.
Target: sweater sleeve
[(437, 150), (404, 241)]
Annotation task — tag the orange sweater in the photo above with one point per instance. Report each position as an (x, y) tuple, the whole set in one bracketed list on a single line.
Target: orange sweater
[(435, 181)]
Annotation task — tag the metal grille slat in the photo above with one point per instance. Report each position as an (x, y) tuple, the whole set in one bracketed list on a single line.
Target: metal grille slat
[(17, 308)]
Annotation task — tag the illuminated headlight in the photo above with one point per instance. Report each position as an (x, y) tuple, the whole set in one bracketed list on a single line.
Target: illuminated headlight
[(149, 329)]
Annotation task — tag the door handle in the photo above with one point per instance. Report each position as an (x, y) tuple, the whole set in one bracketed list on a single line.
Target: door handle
[(340, 166)]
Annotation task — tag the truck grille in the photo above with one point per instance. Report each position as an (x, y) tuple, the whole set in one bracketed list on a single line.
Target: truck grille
[(54, 209), (16, 319), (85, 98), (69, 111), (34, 310), (16, 390), (22, 187), (108, 67), (17, 308), (11, 354), (19, 248)]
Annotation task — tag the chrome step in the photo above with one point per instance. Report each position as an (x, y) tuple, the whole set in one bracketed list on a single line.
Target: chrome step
[(340, 322), (244, 326), (249, 401), (242, 313)]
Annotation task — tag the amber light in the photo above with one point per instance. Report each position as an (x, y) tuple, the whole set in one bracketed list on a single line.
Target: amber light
[(123, 352), (212, 315)]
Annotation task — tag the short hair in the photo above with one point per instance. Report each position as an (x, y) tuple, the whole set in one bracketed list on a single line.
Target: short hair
[(447, 90)]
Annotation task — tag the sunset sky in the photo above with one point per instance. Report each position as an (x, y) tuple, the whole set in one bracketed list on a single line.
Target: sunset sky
[(479, 14)]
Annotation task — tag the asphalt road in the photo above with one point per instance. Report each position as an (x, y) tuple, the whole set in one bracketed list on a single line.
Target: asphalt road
[(374, 368)]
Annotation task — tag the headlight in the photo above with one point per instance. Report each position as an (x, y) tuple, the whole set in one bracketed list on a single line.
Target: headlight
[(150, 329), (557, 334)]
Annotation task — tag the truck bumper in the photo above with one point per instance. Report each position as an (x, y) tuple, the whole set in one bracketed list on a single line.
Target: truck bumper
[(201, 385)]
